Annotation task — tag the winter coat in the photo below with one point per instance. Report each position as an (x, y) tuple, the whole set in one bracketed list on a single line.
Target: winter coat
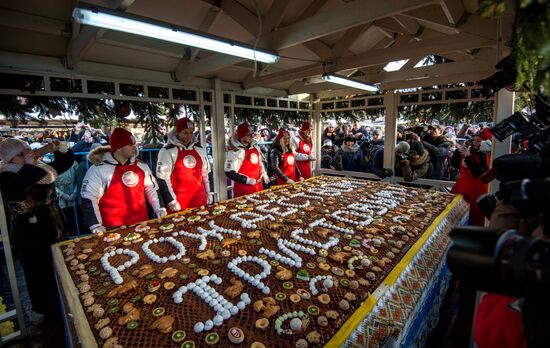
[(167, 160), (98, 178), (65, 186), (36, 222), (376, 162), (417, 168), (276, 161), (439, 151), (351, 158), (235, 157), (328, 155)]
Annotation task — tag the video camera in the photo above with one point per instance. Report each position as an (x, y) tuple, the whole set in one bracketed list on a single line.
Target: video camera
[(504, 76), (503, 260)]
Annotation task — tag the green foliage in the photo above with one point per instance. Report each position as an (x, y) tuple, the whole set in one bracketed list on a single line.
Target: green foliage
[(272, 119), (472, 112), (531, 40), (532, 45)]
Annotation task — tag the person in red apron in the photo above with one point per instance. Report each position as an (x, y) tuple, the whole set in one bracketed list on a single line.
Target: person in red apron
[(182, 169), (472, 163), (116, 185), (244, 163), (282, 159), (304, 150)]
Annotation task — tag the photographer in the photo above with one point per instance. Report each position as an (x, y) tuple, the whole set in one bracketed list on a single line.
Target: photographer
[(413, 164), (438, 146), (473, 160)]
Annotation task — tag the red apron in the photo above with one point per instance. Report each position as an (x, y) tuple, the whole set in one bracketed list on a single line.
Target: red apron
[(288, 168), (187, 180), (123, 202), (471, 187), (304, 166), (251, 168)]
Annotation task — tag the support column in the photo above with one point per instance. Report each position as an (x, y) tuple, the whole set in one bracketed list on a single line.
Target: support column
[(390, 129), (504, 107), (202, 120), (231, 116), (218, 141), (317, 131)]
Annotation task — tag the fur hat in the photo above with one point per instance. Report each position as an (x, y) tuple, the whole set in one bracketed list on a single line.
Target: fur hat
[(120, 138), (11, 147), (243, 129), (184, 123)]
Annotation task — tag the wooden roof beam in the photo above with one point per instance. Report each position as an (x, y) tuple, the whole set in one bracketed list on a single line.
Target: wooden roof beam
[(379, 56)]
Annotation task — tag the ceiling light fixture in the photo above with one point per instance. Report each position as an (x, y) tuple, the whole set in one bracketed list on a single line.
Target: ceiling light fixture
[(133, 24), (342, 80)]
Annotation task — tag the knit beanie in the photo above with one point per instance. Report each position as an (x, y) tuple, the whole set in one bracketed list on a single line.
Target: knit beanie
[(184, 123), (305, 126), (243, 129), (417, 147), (485, 134), (281, 133), (402, 147), (11, 147), (120, 138)]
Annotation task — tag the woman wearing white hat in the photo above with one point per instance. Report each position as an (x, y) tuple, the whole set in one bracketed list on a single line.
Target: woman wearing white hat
[(36, 221)]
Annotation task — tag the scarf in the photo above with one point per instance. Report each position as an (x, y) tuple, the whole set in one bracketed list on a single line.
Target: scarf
[(49, 178)]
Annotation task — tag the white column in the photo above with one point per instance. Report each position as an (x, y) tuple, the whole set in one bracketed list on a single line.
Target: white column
[(218, 141), (317, 131), (504, 108), (231, 116), (202, 120), (390, 131)]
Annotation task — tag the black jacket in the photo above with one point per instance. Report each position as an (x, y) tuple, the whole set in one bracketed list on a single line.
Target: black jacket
[(276, 160), (439, 149), (36, 222)]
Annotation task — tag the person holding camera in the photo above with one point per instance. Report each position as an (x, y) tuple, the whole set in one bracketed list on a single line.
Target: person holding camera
[(414, 163), (438, 147), (36, 221), (473, 160)]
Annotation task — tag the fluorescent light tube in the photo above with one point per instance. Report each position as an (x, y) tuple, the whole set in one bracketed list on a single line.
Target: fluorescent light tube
[(349, 82), (116, 20)]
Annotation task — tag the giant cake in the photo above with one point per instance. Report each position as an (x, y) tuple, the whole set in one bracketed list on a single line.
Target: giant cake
[(280, 268)]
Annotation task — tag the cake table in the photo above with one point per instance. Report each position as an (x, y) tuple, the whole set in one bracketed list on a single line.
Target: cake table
[(326, 262)]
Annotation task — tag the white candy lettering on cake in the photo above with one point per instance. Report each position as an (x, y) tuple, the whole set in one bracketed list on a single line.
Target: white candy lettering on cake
[(254, 158), (163, 259), (223, 308), (114, 272), (255, 280), (190, 161), (130, 178)]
